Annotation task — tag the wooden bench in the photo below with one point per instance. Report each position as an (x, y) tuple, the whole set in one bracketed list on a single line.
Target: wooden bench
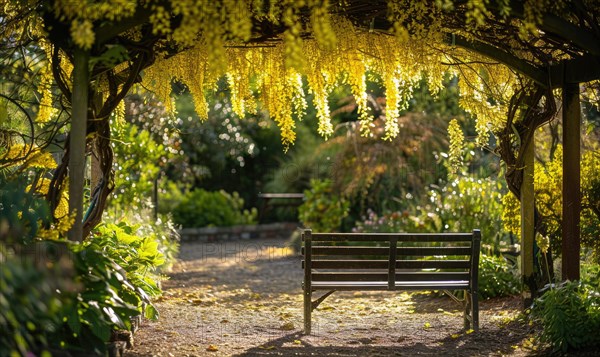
[(270, 200), (400, 261)]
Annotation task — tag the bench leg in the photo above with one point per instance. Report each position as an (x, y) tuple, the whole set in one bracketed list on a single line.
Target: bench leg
[(307, 311), (475, 310), (467, 313)]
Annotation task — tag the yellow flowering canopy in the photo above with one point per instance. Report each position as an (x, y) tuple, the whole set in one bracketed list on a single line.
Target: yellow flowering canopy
[(265, 47), (508, 55)]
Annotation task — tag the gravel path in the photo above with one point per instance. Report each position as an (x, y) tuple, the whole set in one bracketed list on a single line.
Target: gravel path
[(244, 298)]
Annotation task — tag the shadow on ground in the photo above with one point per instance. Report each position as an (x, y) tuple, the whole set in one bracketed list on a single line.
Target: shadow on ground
[(486, 342)]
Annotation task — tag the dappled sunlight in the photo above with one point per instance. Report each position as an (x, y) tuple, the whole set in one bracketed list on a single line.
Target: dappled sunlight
[(245, 299)]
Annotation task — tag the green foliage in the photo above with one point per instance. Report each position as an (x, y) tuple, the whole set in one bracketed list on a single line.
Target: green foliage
[(30, 308), (72, 302), (392, 175), (202, 208), (464, 204), (590, 274), (497, 277), (105, 302), (225, 151), (161, 231), (322, 210), (77, 296), (468, 203), (137, 255), (170, 195), (548, 196), (21, 211), (138, 159), (309, 158), (394, 222), (569, 315)]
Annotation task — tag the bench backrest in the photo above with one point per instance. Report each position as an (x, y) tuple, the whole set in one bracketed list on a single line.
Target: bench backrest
[(383, 257)]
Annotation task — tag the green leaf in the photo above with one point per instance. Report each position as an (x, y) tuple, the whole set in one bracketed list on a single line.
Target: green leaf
[(73, 320), (151, 313)]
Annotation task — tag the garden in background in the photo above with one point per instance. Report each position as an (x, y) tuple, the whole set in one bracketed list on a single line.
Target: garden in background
[(415, 159)]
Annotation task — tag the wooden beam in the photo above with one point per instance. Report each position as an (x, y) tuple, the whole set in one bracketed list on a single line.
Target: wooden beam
[(79, 111), (577, 70), (571, 242), (536, 74), (528, 223), (561, 28)]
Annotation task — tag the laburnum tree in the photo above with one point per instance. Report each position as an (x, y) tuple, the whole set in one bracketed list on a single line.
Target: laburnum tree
[(508, 56)]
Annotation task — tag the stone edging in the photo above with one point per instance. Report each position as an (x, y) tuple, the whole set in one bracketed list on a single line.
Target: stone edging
[(214, 234)]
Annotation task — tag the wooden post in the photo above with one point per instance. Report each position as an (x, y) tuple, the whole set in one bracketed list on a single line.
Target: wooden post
[(528, 223), (474, 291), (307, 236), (79, 105), (571, 182)]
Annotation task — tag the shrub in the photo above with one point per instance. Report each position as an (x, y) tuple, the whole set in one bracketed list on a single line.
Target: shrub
[(468, 203), (497, 277), (590, 274), (107, 301), (569, 315), (322, 210), (202, 208), (29, 305), (464, 204), (162, 231), (74, 302), (548, 198), (137, 257), (390, 222)]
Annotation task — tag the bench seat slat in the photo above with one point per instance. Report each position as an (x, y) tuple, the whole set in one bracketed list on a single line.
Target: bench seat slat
[(408, 276), (383, 264), (383, 285), (386, 237), (384, 251)]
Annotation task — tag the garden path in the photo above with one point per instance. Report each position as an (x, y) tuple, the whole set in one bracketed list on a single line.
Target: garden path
[(244, 298)]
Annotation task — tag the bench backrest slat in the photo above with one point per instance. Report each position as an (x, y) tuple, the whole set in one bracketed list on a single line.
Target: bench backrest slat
[(386, 237), (384, 264), (383, 276), (384, 251), (391, 257)]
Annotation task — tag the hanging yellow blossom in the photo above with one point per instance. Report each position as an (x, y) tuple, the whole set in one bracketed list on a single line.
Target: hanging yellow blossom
[(83, 34), (46, 110), (456, 136)]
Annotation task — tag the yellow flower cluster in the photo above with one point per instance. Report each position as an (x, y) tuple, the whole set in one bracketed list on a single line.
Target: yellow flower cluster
[(36, 158), (82, 15), (321, 24), (456, 136), (59, 229), (42, 187), (82, 32), (46, 110)]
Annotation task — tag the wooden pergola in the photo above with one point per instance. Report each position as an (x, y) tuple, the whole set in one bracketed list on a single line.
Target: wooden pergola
[(563, 53)]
